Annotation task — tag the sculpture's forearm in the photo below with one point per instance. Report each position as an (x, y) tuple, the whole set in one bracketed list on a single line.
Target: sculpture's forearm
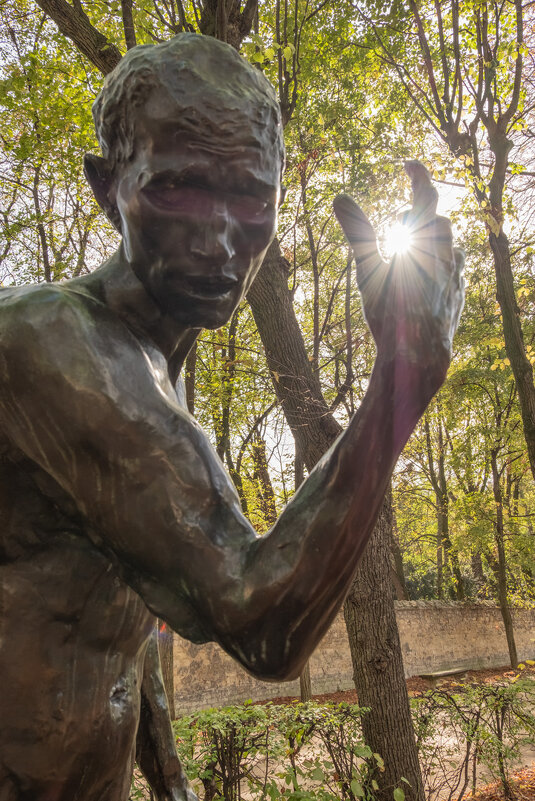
[(301, 571)]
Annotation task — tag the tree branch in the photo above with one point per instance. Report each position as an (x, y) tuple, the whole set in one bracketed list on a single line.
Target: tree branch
[(513, 105), (428, 61), (76, 26), (128, 23), (247, 16)]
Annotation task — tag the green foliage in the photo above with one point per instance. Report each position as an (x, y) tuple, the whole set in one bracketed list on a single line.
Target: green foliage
[(50, 226), (475, 726), (296, 752), (305, 752)]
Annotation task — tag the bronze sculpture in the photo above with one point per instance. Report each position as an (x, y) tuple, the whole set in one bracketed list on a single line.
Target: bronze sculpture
[(114, 506)]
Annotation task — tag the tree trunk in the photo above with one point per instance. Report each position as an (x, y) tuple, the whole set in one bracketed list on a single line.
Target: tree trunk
[(437, 475), (500, 569), (264, 487), (305, 681), (479, 576), (370, 615), (189, 378), (296, 385), (305, 684), (440, 567), (75, 25), (398, 571), (514, 340), (378, 667)]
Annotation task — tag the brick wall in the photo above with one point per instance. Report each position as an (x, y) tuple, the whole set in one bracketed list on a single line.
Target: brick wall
[(434, 636)]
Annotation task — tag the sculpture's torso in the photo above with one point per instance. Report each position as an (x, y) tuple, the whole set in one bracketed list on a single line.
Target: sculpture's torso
[(72, 643)]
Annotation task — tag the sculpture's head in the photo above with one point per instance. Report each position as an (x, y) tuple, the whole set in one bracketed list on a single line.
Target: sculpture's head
[(193, 154)]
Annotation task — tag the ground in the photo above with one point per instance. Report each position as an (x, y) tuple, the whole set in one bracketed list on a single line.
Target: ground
[(416, 685), (522, 784)]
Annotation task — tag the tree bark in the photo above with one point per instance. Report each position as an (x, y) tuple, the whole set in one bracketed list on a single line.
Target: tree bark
[(305, 684), (296, 385), (378, 667), (225, 20), (76, 26), (128, 24), (398, 570), (305, 681), (500, 564), (514, 340), (370, 607)]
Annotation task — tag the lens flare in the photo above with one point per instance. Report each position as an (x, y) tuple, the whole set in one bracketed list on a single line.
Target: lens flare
[(398, 239)]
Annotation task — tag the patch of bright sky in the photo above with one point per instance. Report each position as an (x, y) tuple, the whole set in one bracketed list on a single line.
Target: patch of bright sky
[(393, 237)]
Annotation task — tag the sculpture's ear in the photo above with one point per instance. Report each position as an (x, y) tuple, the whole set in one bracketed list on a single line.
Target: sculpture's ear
[(101, 179)]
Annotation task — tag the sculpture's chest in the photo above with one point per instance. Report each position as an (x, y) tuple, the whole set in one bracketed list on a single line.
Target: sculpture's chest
[(34, 511), (50, 570)]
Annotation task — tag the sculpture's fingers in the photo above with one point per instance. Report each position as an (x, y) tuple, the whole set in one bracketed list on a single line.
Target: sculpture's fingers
[(432, 236), (424, 194), (443, 242), (459, 285), (360, 235), (459, 256)]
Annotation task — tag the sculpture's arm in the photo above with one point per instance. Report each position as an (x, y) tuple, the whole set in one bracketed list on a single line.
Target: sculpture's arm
[(156, 753), (93, 412)]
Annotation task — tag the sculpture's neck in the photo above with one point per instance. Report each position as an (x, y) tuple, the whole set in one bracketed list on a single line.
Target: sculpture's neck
[(115, 284)]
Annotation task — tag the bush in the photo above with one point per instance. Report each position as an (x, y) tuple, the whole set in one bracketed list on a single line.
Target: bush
[(295, 752), (477, 725), (315, 752)]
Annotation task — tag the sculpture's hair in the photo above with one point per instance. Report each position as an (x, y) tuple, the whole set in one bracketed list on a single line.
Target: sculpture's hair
[(218, 94)]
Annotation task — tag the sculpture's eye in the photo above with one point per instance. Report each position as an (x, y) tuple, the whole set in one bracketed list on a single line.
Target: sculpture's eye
[(178, 196), (249, 208)]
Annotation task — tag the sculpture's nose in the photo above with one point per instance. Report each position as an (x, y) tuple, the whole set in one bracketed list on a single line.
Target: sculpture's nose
[(212, 239)]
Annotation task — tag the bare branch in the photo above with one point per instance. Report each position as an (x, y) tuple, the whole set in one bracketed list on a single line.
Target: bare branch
[(316, 10), (428, 61), (457, 81), (444, 58), (416, 93), (513, 105)]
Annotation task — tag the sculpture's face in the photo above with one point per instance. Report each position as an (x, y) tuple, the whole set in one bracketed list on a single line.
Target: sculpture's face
[(197, 216)]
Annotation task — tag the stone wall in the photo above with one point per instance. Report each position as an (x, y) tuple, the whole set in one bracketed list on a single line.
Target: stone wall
[(434, 636)]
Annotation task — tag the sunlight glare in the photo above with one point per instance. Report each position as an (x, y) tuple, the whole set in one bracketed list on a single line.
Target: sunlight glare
[(398, 239)]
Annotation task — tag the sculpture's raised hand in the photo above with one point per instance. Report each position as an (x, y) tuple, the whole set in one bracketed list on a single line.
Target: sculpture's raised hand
[(413, 304)]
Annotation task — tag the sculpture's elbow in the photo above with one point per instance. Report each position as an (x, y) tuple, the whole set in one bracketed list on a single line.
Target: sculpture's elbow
[(273, 663)]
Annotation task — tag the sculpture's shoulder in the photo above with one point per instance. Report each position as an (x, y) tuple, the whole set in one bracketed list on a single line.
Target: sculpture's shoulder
[(39, 304), (42, 319)]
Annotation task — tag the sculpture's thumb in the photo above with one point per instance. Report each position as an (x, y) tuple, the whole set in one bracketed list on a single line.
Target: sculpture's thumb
[(359, 233)]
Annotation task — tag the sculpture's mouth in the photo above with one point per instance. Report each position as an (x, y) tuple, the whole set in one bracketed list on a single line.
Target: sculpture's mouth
[(210, 287)]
